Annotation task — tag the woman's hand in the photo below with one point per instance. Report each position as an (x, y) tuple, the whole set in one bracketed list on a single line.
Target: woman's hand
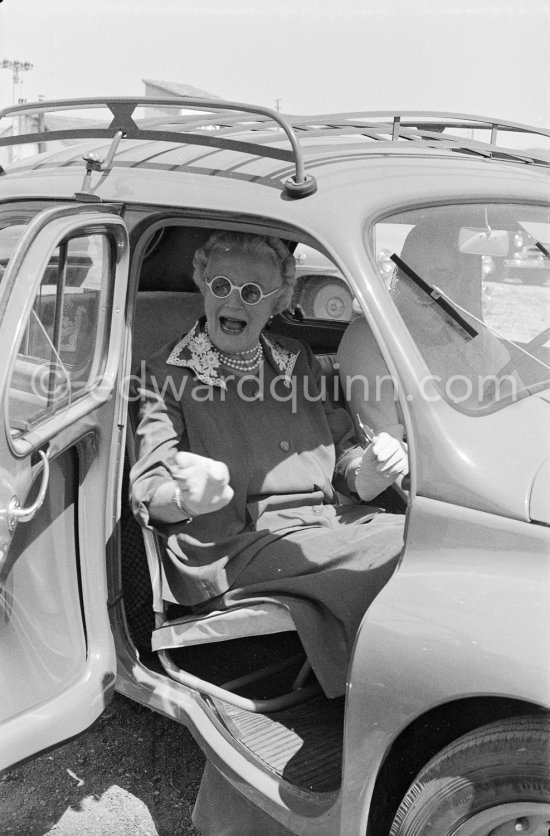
[(383, 461), (391, 456), (203, 482)]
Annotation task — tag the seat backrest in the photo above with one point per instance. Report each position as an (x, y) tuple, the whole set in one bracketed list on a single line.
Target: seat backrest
[(161, 317)]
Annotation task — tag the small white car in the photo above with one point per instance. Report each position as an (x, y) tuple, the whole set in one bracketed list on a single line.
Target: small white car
[(444, 729)]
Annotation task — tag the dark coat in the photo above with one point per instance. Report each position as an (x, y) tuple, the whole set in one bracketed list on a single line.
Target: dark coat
[(284, 534)]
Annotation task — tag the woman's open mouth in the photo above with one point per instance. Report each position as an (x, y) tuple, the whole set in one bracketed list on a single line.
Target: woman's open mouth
[(232, 326)]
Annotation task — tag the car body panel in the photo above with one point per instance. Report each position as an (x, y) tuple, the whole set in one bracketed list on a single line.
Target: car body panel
[(539, 506), (415, 176), (458, 593)]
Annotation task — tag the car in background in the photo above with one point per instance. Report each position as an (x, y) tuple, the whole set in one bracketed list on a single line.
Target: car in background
[(444, 728)]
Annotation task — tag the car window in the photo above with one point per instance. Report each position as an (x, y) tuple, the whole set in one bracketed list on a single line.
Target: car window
[(484, 331), (62, 350), (321, 291)]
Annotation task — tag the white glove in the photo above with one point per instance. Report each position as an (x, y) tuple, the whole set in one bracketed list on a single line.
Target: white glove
[(203, 482), (382, 462), (392, 457)]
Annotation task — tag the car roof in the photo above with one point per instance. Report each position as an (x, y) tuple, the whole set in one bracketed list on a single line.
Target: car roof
[(247, 147)]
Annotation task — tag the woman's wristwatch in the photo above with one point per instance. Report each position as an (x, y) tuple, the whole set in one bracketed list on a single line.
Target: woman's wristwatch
[(176, 499)]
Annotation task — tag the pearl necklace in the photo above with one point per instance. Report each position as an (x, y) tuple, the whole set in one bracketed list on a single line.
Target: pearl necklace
[(248, 365)]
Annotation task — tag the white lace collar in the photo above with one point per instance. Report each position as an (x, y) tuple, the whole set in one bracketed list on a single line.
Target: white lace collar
[(196, 351)]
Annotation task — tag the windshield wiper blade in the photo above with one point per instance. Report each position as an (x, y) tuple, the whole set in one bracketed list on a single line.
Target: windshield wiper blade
[(542, 249), (434, 294)]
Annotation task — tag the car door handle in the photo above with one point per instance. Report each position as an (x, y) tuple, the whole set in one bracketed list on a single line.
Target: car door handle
[(18, 514)]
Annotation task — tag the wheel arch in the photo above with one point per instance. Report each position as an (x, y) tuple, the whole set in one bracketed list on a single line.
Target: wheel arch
[(423, 738)]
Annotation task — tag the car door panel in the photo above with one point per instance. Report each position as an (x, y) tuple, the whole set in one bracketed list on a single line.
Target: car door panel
[(42, 632), (57, 663)]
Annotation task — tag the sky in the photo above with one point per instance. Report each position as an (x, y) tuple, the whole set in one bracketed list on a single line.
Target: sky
[(485, 57)]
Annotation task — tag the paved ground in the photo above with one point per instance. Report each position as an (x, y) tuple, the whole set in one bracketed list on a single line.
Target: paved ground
[(133, 773)]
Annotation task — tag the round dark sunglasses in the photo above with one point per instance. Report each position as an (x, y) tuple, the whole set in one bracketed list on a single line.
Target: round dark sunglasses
[(251, 293)]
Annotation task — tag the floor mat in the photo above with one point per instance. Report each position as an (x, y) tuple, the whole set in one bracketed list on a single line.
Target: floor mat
[(303, 744)]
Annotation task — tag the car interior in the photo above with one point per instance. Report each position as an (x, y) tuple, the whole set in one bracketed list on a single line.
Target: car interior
[(248, 663)]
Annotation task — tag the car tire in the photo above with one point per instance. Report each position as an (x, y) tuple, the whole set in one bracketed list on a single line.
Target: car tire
[(494, 781)]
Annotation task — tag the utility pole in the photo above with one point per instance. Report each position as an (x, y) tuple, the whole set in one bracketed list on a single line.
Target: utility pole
[(17, 68), (278, 105)]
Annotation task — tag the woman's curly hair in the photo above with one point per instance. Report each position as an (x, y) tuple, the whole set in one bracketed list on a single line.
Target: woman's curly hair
[(247, 242)]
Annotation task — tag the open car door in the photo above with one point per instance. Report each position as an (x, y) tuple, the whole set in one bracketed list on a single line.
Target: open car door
[(62, 302)]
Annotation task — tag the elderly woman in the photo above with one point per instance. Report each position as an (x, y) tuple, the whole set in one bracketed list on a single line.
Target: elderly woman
[(241, 462)]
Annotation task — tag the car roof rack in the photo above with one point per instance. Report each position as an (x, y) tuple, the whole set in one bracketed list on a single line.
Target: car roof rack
[(123, 125), (427, 127), (225, 124)]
